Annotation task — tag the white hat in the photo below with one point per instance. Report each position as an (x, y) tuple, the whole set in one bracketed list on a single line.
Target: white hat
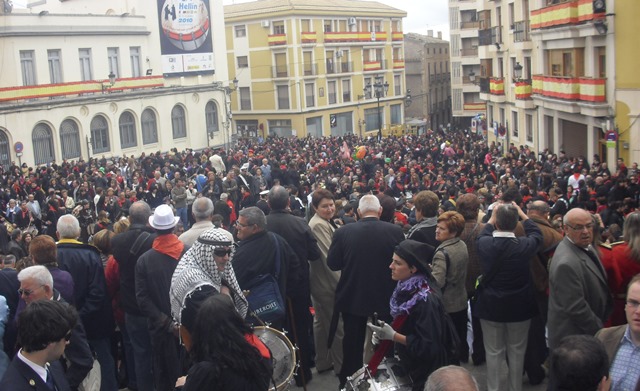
[(163, 218), (245, 166), (264, 192)]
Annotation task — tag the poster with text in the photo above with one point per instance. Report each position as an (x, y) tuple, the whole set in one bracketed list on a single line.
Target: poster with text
[(186, 41)]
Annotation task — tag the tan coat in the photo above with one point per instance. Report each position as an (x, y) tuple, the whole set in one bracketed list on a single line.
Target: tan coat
[(454, 297)]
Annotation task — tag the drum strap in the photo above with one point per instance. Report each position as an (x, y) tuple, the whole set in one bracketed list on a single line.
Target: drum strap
[(385, 345)]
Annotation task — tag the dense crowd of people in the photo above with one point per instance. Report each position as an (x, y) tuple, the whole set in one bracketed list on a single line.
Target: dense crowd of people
[(427, 232)]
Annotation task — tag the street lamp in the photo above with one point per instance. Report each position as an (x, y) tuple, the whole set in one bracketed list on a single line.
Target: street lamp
[(517, 71), (380, 90)]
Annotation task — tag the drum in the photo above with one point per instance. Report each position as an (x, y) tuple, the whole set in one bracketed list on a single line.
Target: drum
[(283, 353), (389, 377)]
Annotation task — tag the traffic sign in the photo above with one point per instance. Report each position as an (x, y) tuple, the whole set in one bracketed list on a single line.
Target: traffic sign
[(18, 147)]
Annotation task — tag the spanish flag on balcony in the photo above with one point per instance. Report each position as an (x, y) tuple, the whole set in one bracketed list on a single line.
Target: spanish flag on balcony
[(523, 90), (496, 86)]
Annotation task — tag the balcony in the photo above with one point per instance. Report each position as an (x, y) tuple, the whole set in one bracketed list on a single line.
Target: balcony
[(397, 36), (74, 89), (523, 89), (398, 64), (346, 67), (496, 86), (484, 85), (277, 39), (374, 65), (585, 89), (339, 37), (310, 69), (521, 31), (466, 52), (469, 25), (279, 71), (490, 36), (567, 13), (474, 106), (308, 37)]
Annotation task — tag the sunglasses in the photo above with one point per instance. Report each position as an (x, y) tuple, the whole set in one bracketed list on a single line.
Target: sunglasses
[(27, 292), (222, 252)]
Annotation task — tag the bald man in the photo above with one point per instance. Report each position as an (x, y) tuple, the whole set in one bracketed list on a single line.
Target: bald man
[(451, 378)]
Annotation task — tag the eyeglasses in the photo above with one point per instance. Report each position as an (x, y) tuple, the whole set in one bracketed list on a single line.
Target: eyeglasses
[(239, 224), (633, 304), (580, 227), (27, 292), (220, 252)]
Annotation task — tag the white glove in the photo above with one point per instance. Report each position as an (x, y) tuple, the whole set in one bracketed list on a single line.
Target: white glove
[(384, 331), (374, 339)]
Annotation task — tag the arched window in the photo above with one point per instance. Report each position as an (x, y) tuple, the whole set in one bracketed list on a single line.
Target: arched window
[(42, 144), (211, 115), (69, 139), (178, 122), (5, 150), (149, 127), (127, 127), (100, 135)]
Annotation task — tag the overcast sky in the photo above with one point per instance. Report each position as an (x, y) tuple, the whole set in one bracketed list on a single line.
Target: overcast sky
[(422, 15)]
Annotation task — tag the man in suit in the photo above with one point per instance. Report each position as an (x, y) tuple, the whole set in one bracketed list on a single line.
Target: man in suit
[(44, 329), (362, 251), (621, 342), (579, 299)]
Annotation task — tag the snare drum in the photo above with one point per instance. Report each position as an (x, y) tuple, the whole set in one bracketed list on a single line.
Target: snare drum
[(387, 378), (283, 354)]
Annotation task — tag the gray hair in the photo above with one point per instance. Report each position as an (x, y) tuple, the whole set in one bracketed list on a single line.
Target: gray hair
[(224, 196), (139, 213), (369, 203), (68, 227), (202, 208), (255, 215), (278, 198), (38, 273), (451, 378)]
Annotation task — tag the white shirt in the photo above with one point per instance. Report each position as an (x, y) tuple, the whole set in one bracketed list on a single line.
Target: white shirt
[(41, 371)]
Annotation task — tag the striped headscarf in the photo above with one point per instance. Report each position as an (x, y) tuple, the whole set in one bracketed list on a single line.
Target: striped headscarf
[(197, 268)]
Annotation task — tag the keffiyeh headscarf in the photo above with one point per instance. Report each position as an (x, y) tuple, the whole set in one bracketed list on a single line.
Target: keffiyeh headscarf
[(197, 268)]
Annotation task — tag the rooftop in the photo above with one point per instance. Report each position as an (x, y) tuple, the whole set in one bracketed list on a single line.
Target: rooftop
[(263, 8)]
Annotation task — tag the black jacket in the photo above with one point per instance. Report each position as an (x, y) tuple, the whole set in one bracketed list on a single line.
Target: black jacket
[(20, 377), (122, 244), (92, 300)]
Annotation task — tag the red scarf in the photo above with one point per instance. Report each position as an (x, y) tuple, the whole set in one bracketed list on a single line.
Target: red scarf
[(169, 245)]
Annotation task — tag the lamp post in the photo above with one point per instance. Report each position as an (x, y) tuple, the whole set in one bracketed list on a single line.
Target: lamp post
[(517, 71), (380, 90), (217, 86)]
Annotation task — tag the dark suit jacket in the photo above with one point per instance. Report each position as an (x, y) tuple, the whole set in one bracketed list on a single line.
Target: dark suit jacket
[(579, 298), (20, 377), (363, 251)]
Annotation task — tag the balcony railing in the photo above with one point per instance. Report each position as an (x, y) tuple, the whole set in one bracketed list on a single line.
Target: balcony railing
[(521, 31), (469, 25), (523, 89), (570, 88), (47, 91), (277, 39), (397, 36), (567, 13), (490, 36), (496, 86), (355, 37), (469, 52), (310, 69), (279, 71), (308, 37)]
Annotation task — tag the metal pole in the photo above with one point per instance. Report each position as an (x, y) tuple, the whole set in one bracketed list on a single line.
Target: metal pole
[(379, 115)]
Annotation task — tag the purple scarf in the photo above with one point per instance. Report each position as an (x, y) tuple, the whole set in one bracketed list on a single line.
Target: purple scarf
[(408, 293)]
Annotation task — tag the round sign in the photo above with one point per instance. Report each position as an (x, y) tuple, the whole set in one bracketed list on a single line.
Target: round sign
[(18, 147), (611, 136)]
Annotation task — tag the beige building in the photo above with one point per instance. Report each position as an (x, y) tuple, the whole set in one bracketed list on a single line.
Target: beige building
[(427, 69), (87, 78), (303, 67)]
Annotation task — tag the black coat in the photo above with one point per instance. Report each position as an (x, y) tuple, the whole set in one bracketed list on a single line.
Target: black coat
[(20, 377), (9, 286), (202, 377), (363, 252), (92, 300), (121, 244)]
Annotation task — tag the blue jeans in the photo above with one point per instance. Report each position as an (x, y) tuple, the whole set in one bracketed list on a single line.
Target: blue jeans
[(184, 219), (102, 347), (138, 330)]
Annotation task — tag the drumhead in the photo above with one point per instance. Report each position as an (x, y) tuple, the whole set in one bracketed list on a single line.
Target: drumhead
[(283, 352)]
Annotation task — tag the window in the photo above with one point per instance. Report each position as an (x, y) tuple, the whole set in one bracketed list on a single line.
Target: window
[(305, 25), (85, 64), (211, 118), (55, 69), (127, 126), (100, 134), (243, 61), (28, 68), (69, 139), (136, 67), (278, 28), (245, 98), (372, 119), (283, 97), (241, 31), (327, 26), (490, 114), (42, 139), (514, 123), (112, 57), (149, 127), (397, 85), (396, 114), (281, 127), (331, 87), (247, 128), (178, 122), (5, 154), (309, 90), (281, 65), (529, 127), (346, 90), (307, 63)]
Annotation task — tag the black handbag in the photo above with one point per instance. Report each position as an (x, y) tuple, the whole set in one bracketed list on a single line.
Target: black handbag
[(266, 304)]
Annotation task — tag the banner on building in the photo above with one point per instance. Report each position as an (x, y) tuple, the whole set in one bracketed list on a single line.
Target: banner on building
[(186, 42)]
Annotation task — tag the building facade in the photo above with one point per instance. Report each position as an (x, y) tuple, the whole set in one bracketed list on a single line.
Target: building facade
[(307, 67), (91, 78), (427, 72)]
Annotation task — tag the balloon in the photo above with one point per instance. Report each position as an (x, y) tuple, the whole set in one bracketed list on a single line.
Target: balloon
[(362, 151), (387, 160)]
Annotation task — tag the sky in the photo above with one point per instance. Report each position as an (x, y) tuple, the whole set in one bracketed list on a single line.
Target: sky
[(422, 15)]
